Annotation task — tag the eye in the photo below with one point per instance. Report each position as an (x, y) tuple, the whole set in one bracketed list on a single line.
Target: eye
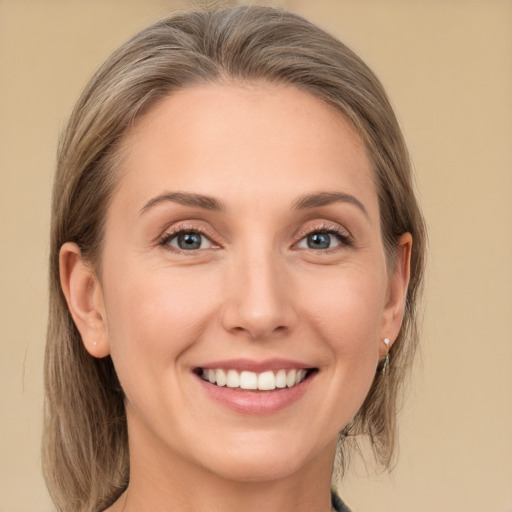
[(322, 240), (187, 241)]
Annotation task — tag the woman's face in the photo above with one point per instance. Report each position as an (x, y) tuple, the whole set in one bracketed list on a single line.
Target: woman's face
[(243, 248)]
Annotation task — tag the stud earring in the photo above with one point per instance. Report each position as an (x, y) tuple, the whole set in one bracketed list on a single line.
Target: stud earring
[(385, 366)]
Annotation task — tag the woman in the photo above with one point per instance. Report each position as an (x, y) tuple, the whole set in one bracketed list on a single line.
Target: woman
[(235, 265)]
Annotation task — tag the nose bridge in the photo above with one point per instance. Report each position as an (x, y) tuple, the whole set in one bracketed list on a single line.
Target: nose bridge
[(258, 299)]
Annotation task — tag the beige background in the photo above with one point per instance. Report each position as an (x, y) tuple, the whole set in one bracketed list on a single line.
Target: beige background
[(447, 66)]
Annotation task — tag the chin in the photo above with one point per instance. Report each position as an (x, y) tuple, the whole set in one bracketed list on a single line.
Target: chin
[(246, 469), (265, 460)]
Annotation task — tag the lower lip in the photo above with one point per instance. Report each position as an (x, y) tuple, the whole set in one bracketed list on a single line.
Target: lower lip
[(256, 402)]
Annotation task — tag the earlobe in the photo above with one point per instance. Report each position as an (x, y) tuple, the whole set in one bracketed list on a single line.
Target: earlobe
[(84, 297), (397, 291)]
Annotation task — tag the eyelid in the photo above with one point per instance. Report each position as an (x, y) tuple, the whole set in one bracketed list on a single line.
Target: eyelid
[(323, 226), (186, 227)]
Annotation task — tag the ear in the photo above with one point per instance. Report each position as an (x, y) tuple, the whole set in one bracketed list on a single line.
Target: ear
[(84, 296), (397, 293)]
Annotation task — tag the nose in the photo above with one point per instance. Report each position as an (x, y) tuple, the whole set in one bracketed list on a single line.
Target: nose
[(259, 298)]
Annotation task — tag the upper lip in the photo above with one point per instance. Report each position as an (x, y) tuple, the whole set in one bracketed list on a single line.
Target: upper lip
[(256, 366)]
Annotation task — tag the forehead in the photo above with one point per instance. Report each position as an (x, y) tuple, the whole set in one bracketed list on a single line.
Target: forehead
[(243, 138)]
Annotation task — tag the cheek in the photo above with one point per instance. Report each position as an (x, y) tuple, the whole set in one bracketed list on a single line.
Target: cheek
[(153, 318), (347, 309), (346, 317)]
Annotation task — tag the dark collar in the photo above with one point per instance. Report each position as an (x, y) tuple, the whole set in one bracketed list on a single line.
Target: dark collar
[(337, 503)]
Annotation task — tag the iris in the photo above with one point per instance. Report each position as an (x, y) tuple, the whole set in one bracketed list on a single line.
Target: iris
[(319, 241), (189, 241)]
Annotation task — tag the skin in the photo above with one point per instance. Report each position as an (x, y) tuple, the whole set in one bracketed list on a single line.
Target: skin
[(254, 290)]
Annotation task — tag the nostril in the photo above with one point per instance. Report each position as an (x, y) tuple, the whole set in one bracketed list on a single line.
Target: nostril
[(258, 331)]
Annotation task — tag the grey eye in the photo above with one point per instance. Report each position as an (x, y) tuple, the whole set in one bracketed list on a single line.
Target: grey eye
[(190, 241), (320, 241)]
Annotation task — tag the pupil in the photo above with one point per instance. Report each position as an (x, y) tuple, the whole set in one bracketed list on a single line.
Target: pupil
[(319, 241), (189, 241)]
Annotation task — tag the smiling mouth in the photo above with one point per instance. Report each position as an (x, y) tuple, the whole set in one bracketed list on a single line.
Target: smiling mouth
[(247, 380)]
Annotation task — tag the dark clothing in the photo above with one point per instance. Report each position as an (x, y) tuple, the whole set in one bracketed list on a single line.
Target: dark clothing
[(337, 503)]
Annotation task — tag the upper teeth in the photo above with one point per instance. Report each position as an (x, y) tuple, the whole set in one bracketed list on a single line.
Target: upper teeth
[(250, 380)]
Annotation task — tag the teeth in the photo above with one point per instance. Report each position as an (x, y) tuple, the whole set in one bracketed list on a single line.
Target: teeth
[(281, 379), (233, 379), (264, 381), (299, 376), (220, 377), (290, 378), (248, 380)]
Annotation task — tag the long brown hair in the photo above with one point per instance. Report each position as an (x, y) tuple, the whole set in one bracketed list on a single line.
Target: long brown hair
[(85, 447)]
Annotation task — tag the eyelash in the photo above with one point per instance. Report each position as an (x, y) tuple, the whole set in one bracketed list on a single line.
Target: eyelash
[(170, 235), (343, 237)]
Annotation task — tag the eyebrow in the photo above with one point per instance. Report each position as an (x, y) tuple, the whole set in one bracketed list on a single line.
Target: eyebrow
[(184, 198), (209, 203), (326, 198)]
